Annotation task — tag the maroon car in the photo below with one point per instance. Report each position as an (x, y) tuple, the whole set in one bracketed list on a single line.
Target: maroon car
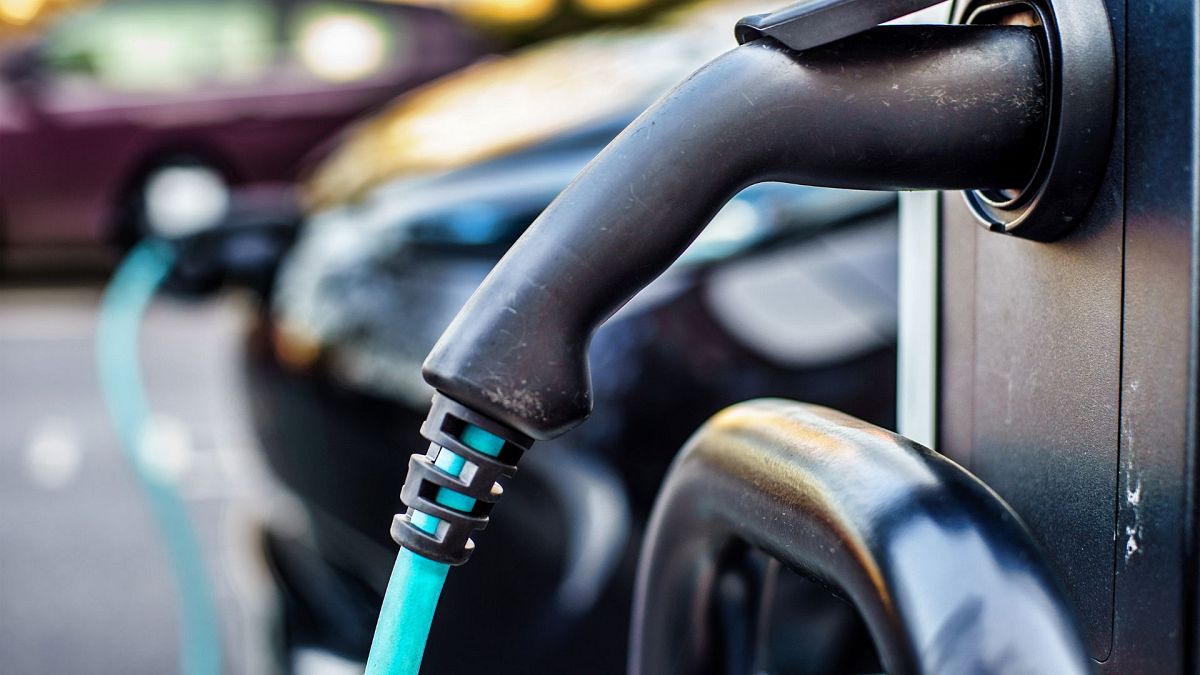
[(144, 114)]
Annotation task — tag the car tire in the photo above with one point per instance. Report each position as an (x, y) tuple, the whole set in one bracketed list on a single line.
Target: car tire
[(177, 197)]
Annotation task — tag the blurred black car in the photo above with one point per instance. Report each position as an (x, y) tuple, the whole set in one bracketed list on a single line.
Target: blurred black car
[(790, 292)]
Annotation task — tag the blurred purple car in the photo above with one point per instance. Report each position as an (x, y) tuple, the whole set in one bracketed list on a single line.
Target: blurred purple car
[(144, 115)]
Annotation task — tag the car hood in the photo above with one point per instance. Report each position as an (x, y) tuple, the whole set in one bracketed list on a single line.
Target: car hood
[(509, 103)]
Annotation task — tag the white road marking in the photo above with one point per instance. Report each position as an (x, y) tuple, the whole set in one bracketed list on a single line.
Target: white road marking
[(54, 454)]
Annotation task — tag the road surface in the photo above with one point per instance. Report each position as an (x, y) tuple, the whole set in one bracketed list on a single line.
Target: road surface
[(84, 582)]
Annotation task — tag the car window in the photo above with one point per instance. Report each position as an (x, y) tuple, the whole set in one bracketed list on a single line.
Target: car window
[(150, 45), (143, 45)]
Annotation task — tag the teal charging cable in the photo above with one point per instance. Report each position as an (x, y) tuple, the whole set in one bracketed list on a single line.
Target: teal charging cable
[(424, 561), (121, 311), (407, 614)]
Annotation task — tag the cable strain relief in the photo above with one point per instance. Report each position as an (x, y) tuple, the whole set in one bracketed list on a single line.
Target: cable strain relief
[(449, 499)]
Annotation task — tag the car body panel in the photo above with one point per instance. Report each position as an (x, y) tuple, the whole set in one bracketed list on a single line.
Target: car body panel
[(72, 148)]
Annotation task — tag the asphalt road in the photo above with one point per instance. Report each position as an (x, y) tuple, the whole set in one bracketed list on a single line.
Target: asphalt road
[(84, 581)]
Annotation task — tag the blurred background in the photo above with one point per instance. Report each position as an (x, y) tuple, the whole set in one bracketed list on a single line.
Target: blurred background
[(327, 181)]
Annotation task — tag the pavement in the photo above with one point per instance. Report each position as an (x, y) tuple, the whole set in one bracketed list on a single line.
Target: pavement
[(84, 581)]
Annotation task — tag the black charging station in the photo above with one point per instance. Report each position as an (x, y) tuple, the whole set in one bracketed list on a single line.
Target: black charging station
[(1067, 371)]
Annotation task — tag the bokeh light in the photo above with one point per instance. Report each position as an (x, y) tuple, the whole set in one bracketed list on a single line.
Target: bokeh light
[(20, 12), (342, 47), (506, 12), (611, 7)]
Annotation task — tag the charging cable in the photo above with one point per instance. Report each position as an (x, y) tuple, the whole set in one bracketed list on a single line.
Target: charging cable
[(449, 493), (121, 312)]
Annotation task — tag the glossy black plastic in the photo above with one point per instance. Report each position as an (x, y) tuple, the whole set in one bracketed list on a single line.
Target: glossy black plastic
[(1083, 79), (1070, 373), (812, 23), (946, 577), (897, 107)]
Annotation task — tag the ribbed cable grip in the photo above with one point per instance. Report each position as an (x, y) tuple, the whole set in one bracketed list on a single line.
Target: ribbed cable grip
[(451, 489)]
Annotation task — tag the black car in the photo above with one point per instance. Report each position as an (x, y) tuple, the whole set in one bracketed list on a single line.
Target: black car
[(790, 292)]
